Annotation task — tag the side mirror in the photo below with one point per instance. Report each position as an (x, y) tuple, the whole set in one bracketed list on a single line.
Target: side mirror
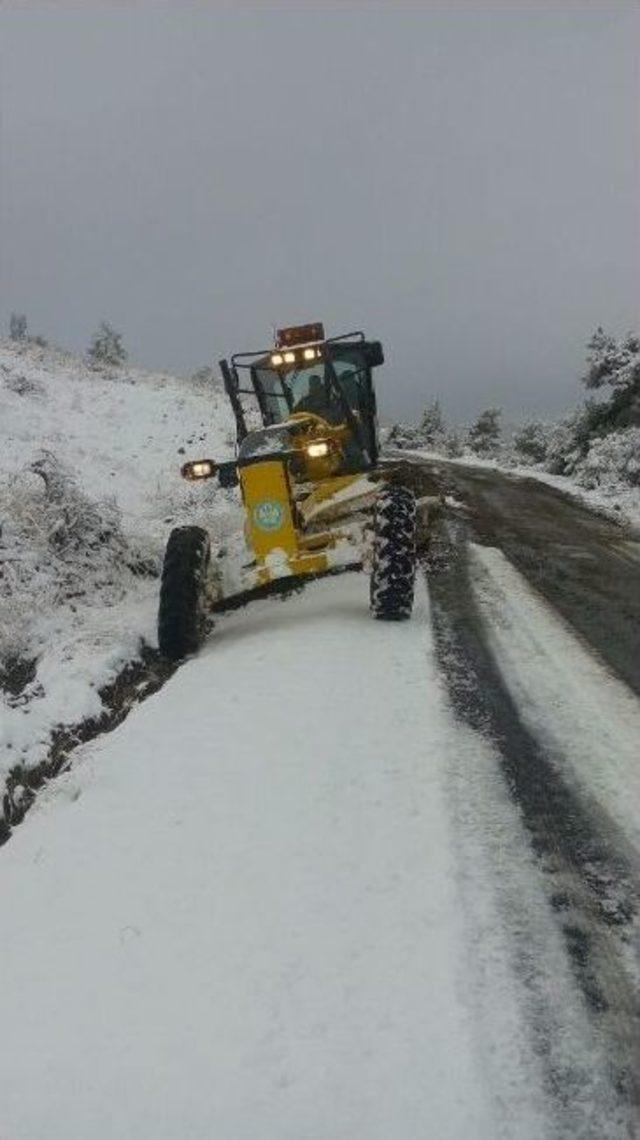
[(199, 469), (374, 354)]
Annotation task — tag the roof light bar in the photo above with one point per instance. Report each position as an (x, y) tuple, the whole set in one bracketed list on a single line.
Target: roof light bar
[(309, 353)]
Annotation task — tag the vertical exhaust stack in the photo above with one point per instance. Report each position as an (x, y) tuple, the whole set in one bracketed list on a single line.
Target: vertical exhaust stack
[(230, 382)]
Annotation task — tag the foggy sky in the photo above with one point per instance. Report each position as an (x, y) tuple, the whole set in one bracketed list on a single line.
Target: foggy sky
[(462, 183)]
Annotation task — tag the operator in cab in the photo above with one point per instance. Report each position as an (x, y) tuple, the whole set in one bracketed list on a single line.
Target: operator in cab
[(321, 401)]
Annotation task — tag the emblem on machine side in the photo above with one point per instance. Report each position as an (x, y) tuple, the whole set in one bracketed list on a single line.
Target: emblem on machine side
[(268, 514)]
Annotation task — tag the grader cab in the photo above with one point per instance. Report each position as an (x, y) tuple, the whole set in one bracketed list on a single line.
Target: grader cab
[(305, 373), (306, 466)]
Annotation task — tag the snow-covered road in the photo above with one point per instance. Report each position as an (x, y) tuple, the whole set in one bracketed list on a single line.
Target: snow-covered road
[(584, 563), (242, 914)]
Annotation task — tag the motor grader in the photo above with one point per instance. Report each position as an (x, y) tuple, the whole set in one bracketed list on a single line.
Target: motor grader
[(314, 496)]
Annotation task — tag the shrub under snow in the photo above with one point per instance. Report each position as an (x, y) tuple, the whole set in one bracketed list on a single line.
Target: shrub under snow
[(57, 546), (407, 436), (531, 442), (612, 460)]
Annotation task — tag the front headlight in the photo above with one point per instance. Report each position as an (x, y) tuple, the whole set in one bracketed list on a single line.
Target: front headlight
[(199, 469), (318, 450)]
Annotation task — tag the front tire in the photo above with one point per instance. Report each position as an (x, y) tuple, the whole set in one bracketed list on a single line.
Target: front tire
[(181, 615), (394, 554)]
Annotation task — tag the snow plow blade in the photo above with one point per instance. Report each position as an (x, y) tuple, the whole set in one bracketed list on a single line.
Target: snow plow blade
[(278, 587)]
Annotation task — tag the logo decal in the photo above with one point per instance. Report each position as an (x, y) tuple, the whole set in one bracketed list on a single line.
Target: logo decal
[(268, 514)]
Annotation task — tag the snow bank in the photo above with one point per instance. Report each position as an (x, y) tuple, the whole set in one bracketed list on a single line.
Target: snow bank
[(89, 489)]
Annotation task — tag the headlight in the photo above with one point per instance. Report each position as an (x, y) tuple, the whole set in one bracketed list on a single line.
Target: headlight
[(276, 359), (289, 357), (309, 353), (318, 450), (199, 469)]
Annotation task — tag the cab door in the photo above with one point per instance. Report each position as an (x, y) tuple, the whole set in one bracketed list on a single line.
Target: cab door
[(354, 378)]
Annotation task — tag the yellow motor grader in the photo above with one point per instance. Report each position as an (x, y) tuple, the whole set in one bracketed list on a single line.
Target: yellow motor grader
[(305, 472)]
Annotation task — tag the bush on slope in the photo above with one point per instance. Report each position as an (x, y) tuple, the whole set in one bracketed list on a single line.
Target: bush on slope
[(57, 548)]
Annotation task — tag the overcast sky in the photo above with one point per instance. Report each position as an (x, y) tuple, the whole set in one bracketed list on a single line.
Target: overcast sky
[(460, 182)]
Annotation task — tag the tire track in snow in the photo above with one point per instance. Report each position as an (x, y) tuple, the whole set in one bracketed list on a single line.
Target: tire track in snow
[(580, 561), (592, 881), (574, 705)]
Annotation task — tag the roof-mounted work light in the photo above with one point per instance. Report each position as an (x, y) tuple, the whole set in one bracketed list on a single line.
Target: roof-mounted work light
[(299, 334)]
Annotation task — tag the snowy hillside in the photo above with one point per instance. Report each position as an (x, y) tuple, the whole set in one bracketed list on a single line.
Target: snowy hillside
[(89, 489)]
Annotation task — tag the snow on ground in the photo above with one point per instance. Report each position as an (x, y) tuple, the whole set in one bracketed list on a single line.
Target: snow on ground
[(518, 982), (569, 700), (616, 499), (241, 912), (89, 490), (119, 430), (290, 894)]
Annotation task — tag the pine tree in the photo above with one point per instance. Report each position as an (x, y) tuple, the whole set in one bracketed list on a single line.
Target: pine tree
[(106, 346), (432, 423), (453, 445), (610, 361), (617, 365), (484, 434)]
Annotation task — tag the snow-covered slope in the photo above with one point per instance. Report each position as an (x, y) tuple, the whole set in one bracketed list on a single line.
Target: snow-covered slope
[(119, 431), (89, 489)]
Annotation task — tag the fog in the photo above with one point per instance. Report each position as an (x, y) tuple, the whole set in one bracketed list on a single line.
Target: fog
[(462, 184)]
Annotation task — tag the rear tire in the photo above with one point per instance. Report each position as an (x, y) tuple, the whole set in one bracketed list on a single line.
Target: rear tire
[(181, 615), (394, 554)]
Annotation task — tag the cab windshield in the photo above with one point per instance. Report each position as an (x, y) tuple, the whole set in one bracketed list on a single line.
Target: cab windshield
[(336, 386), (305, 389), (321, 387)]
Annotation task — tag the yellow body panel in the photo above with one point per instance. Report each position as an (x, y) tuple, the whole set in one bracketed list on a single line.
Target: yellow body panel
[(280, 506), (268, 503), (271, 530)]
